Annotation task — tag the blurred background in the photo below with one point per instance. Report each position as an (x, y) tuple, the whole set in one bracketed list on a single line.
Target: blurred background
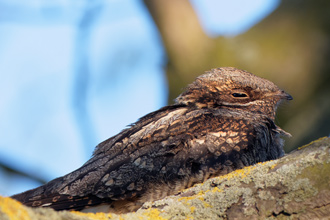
[(74, 73)]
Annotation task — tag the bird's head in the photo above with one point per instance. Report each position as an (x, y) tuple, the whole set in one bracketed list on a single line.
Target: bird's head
[(232, 88)]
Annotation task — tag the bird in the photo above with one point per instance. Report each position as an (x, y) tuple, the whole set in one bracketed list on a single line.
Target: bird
[(223, 121)]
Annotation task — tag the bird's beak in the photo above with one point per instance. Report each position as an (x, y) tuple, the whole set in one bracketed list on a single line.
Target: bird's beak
[(286, 96), (283, 95)]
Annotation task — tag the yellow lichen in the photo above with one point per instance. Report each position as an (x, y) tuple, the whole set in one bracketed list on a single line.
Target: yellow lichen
[(242, 173), (192, 209), (199, 195), (273, 166), (216, 189), (185, 199), (153, 214), (306, 145), (207, 205), (96, 216), (13, 209)]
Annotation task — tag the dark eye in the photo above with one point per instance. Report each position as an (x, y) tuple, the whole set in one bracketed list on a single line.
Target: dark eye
[(239, 95)]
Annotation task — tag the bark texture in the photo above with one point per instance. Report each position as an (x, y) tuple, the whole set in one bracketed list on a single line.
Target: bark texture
[(297, 186)]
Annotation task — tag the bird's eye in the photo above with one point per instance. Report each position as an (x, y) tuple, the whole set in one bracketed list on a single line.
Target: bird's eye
[(239, 95)]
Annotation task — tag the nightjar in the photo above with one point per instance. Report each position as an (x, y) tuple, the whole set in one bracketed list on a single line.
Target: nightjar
[(223, 121)]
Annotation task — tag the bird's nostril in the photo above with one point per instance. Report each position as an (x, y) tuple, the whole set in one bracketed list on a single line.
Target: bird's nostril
[(289, 97)]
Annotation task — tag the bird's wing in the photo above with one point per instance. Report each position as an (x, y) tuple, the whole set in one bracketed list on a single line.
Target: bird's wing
[(171, 146)]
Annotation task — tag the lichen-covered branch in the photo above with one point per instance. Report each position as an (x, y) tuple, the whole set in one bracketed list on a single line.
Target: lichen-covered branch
[(295, 186)]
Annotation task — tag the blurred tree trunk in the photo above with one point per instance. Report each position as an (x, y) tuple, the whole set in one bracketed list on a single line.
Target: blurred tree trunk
[(185, 42), (290, 47)]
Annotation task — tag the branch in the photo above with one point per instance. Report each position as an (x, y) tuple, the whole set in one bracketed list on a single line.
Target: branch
[(295, 186)]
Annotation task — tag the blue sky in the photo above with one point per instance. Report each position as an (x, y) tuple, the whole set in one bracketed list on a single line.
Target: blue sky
[(230, 18), (42, 131)]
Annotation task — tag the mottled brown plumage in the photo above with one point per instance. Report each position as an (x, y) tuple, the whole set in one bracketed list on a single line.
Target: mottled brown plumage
[(223, 121)]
